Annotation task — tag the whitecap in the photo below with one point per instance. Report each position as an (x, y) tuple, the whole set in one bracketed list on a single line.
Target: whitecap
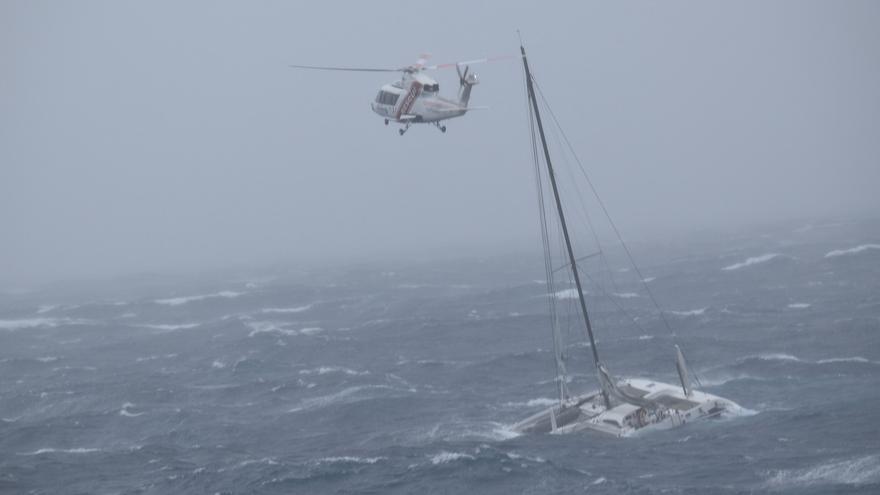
[(298, 309), (855, 250), (776, 356), (566, 294), (515, 457), (752, 261), (350, 459), (155, 357), (857, 471), (258, 327), (692, 312), (311, 330), (323, 370), (177, 301), (338, 397), (854, 359), (539, 402), (625, 295), (724, 379), (47, 359), (270, 461), (170, 327), (799, 305), (124, 411), (446, 457), (51, 450), (19, 324)]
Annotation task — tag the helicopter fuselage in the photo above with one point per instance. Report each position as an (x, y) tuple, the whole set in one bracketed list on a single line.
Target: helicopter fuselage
[(415, 99)]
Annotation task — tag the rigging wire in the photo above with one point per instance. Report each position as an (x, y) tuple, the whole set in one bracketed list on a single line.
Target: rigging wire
[(560, 371), (608, 217), (605, 210), (554, 132)]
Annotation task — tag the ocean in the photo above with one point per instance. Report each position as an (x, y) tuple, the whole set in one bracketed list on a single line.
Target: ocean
[(406, 377)]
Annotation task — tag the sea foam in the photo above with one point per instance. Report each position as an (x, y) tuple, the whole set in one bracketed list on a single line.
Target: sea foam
[(855, 250), (177, 301), (19, 324), (752, 261), (858, 471), (298, 309), (692, 312)]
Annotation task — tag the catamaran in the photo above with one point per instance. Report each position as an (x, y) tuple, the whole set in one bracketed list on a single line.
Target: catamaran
[(621, 406)]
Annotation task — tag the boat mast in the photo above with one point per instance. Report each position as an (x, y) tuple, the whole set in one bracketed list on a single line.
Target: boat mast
[(571, 257)]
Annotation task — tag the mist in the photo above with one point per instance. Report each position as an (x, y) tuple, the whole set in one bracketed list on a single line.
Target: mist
[(173, 136)]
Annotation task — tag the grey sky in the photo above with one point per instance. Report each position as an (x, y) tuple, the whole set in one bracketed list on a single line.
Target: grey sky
[(169, 135)]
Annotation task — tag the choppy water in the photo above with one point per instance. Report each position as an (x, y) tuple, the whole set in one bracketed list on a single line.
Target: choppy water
[(404, 379)]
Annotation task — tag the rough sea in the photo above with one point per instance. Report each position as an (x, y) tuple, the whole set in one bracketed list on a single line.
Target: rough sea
[(406, 377)]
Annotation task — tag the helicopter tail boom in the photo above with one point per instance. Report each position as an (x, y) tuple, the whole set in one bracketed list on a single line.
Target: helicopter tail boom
[(466, 82)]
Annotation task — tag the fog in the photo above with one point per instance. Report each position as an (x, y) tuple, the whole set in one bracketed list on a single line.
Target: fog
[(163, 136)]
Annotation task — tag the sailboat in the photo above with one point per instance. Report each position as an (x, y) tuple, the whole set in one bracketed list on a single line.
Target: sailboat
[(621, 406)]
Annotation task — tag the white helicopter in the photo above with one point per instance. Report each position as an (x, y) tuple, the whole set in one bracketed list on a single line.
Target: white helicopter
[(415, 98)]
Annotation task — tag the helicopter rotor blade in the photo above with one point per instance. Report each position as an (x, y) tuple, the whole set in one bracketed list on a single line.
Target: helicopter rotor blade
[(467, 62), (347, 69)]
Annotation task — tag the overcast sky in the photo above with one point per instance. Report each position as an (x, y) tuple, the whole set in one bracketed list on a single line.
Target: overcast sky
[(139, 136)]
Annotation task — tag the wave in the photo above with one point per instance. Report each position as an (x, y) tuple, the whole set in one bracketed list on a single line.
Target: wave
[(854, 359), (777, 356), (52, 450), (339, 397), (855, 250), (794, 359), (323, 370), (446, 457), (491, 431), (857, 471), (515, 457), (298, 309), (269, 461), (258, 327), (47, 359), (155, 357), (566, 294), (692, 312), (124, 411), (540, 401), (717, 381), (44, 322), (177, 301), (350, 460), (625, 295), (170, 327), (799, 305), (752, 261)]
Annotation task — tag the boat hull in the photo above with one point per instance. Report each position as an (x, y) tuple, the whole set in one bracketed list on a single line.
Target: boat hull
[(662, 406)]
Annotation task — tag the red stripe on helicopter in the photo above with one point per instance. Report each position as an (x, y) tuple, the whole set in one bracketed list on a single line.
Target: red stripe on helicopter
[(409, 99)]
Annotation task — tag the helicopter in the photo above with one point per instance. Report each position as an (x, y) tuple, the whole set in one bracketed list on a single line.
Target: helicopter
[(415, 98)]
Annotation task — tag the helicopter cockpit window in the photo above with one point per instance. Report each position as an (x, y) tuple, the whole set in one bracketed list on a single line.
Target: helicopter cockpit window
[(432, 88), (386, 98)]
